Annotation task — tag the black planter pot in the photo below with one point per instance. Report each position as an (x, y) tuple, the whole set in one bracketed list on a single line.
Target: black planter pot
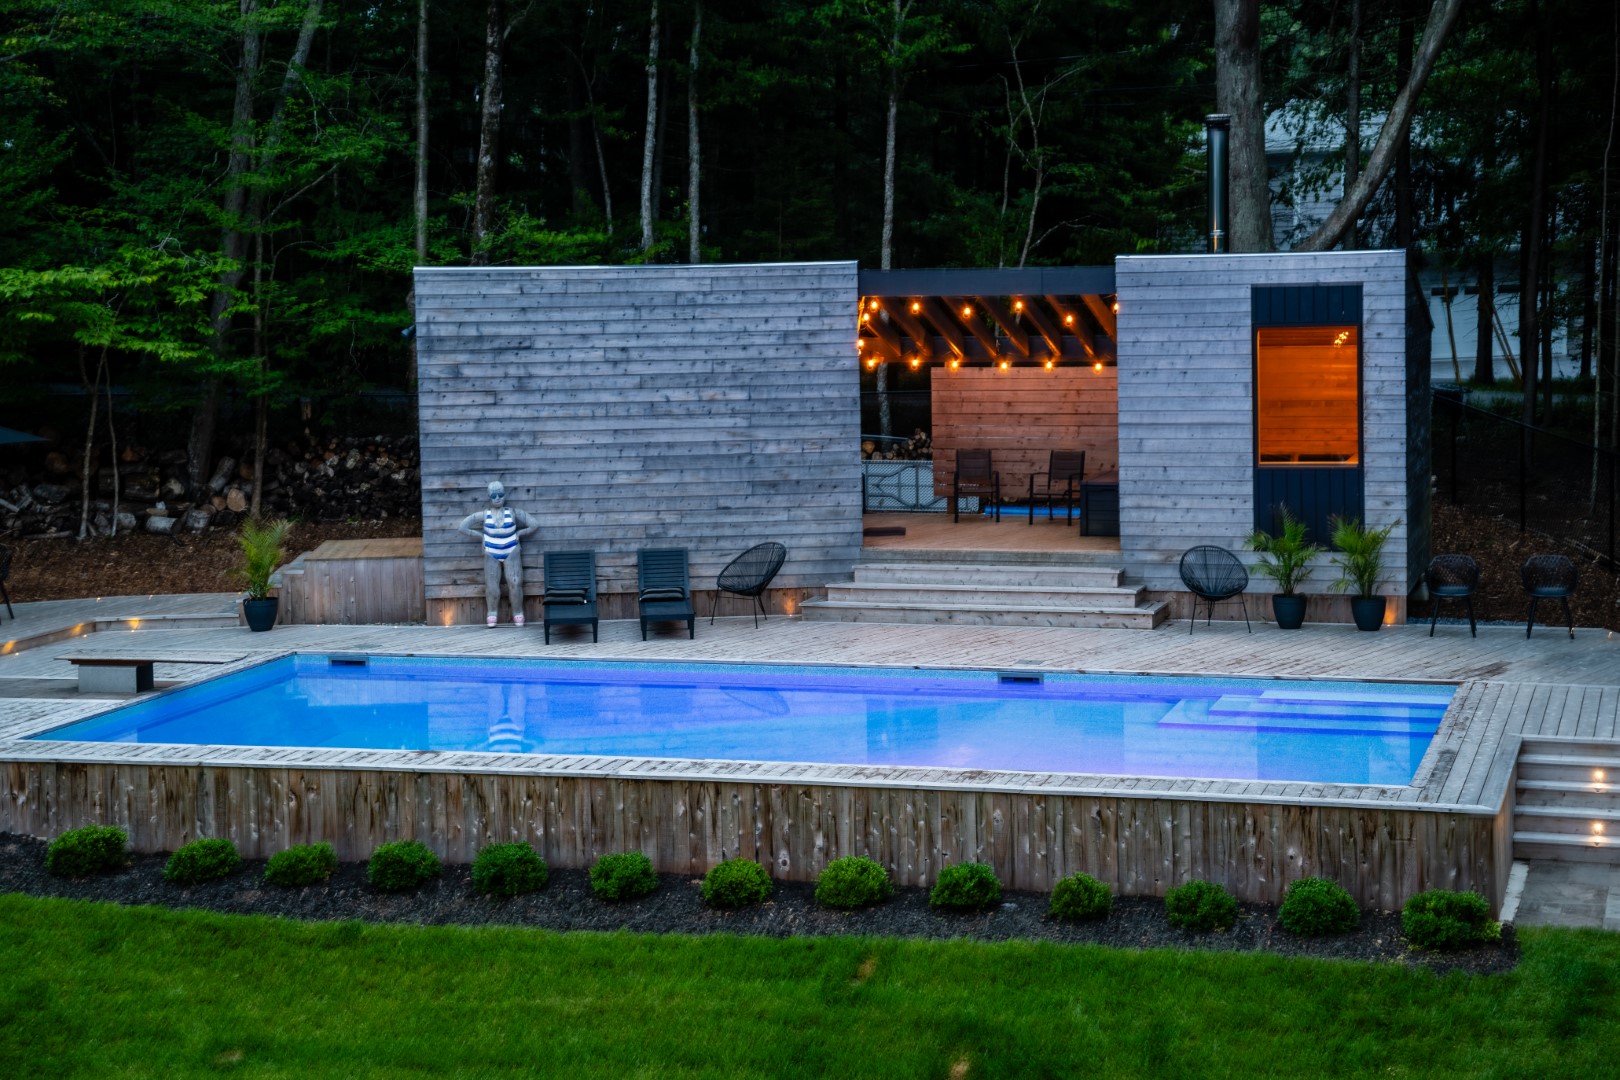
[(260, 614), (1368, 611), (1289, 610)]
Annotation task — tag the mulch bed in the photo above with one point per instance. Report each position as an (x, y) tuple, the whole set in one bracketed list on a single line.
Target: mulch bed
[(566, 903)]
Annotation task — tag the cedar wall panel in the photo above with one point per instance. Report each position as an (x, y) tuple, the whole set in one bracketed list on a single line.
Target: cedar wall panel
[(1022, 414), (1186, 405), (704, 407)]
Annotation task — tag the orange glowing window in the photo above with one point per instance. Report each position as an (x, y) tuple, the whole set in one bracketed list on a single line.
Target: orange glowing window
[(1306, 402)]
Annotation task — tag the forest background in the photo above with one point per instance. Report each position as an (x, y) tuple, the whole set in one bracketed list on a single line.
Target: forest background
[(209, 210)]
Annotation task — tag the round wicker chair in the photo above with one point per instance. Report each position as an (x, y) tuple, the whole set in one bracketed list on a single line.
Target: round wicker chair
[(1213, 574), (750, 574), (1452, 577), (1549, 577)]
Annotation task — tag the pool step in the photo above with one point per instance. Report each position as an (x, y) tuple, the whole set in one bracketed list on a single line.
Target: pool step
[(1347, 714), (971, 591), (1567, 800)]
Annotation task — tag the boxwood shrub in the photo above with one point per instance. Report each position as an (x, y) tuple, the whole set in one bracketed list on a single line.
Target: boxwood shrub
[(853, 881), (1442, 919), (1080, 896), (969, 886), (300, 865), (509, 870), (623, 876), (92, 849), (401, 865), (1315, 907), (1200, 905), (202, 860), (736, 883)]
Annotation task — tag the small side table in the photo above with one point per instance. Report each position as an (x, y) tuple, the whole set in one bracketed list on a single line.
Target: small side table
[(1099, 505)]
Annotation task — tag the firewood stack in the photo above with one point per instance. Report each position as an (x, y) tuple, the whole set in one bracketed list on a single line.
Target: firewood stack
[(919, 446)]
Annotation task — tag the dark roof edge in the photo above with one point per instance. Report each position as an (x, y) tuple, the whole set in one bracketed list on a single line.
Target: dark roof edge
[(971, 281)]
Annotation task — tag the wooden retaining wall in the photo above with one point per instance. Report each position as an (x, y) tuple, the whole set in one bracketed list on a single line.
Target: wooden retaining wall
[(1140, 846), (354, 582)]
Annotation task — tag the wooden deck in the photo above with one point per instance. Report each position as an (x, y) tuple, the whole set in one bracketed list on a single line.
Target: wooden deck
[(976, 532)]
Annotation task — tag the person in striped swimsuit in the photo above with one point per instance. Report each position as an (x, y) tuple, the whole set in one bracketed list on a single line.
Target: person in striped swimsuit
[(500, 529)]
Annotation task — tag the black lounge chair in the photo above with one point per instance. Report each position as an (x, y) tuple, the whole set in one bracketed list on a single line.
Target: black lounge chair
[(1061, 480), (1452, 577), (750, 574), (975, 475), (1213, 574), (5, 572), (1549, 577), (570, 591), (663, 588)]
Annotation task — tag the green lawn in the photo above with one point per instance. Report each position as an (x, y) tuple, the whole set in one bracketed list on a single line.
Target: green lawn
[(99, 990)]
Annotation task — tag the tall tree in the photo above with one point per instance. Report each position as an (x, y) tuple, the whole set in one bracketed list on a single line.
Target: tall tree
[(489, 131), (650, 138), (1238, 93), (694, 156)]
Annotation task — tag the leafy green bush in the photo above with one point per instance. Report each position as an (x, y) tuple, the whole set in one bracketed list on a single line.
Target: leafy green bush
[(300, 865), (1200, 905), (509, 870), (1442, 919), (93, 849), (1315, 906), (202, 860), (969, 886), (1080, 896), (623, 876), (401, 865), (853, 881), (736, 883)]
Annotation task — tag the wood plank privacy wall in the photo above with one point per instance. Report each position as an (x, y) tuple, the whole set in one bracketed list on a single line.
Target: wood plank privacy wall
[(1140, 846), (704, 407), (1186, 405), (1022, 414)]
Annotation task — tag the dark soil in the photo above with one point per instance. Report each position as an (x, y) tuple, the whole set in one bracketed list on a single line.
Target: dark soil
[(566, 903)]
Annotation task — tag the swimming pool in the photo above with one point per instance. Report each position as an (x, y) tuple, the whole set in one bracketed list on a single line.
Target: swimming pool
[(1234, 729)]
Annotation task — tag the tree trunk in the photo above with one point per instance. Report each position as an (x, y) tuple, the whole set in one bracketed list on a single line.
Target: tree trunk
[(1484, 373), (1403, 144), (1441, 18), (694, 158), (489, 133), (1530, 244), (886, 250), (419, 198), (650, 138), (1352, 116), (93, 387), (1589, 288), (1237, 92)]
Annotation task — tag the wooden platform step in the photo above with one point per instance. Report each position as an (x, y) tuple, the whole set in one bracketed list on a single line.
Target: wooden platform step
[(1567, 800), (1145, 617)]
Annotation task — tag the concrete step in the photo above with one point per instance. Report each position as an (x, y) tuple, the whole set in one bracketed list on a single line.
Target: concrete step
[(1572, 768), (1542, 744), (1566, 794), (1561, 819), (1125, 616), (960, 595), (1565, 847), (974, 557), (991, 575)]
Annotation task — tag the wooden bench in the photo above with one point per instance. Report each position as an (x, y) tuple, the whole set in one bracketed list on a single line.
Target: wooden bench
[(115, 673)]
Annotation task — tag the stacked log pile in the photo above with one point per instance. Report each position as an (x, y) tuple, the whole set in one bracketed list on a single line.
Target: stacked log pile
[(918, 447), (365, 478)]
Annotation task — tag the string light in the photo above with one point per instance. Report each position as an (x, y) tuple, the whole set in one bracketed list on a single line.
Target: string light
[(1018, 305), (1068, 320), (1097, 367), (915, 307), (1004, 365), (915, 361), (1049, 365), (967, 312), (1116, 307), (874, 305), (871, 362), (955, 364)]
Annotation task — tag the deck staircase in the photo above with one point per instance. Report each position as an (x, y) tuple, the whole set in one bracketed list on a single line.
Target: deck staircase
[(1567, 804), (989, 588)]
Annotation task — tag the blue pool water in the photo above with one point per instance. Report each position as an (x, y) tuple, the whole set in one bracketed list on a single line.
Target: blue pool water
[(1215, 728)]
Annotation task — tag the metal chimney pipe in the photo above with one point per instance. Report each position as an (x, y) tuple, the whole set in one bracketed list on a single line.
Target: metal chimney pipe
[(1217, 128)]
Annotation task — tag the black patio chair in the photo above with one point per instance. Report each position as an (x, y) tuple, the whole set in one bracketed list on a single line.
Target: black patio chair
[(1213, 574), (1452, 577), (663, 588), (5, 572), (570, 591), (750, 574), (1549, 577), (1061, 480), (975, 475)]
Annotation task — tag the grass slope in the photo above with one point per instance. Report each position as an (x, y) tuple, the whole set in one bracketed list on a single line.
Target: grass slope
[(100, 990)]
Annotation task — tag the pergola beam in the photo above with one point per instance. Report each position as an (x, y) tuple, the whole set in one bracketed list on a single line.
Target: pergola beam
[(948, 327), (1103, 313), (962, 308), (1009, 324), (1073, 323), (899, 312), (1049, 333)]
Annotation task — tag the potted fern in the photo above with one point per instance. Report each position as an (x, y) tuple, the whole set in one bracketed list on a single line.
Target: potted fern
[(263, 548), (1285, 559), (1360, 562)]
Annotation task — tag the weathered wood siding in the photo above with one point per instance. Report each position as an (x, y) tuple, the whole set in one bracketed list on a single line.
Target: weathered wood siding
[(1022, 414), (1186, 405), (354, 582), (1139, 846), (704, 407)]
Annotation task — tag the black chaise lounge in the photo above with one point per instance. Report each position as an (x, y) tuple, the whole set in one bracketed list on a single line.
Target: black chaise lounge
[(570, 596), (975, 475), (1065, 469), (663, 588), (1549, 577), (1213, 574), (750, 574), (1452, 577)]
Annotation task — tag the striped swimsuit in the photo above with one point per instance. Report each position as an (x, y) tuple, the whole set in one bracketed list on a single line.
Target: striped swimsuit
[(500, 537)]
